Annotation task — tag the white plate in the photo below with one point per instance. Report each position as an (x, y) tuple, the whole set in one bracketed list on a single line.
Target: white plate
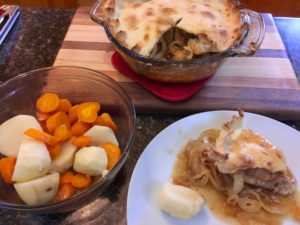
[(155, 165)]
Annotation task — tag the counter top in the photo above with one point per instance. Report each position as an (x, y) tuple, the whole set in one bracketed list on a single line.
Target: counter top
[(34, 43)]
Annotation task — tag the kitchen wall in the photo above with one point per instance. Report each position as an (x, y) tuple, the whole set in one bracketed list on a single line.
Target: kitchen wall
[(276, 7)]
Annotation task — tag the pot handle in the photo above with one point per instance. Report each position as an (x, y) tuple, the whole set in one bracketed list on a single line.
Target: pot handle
[(93, 13), (253, 35)]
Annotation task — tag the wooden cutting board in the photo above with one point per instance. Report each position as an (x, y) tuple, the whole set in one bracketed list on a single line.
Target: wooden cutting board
[(264, 83)]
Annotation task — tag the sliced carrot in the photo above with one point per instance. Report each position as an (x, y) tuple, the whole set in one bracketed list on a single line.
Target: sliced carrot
[(42, 116), (81, 181), (44, 126), (79, 128), (56, 120), (113, 153), (48, 102), (64, 191), (64, 105), (73, 114), (62, 132), (105, 120), (88, 111), (54, 150), (42, 136), (66, 177), (7, 166), (81, 141)]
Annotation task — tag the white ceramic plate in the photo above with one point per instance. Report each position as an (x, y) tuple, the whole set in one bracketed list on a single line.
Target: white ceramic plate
[(155, 165)]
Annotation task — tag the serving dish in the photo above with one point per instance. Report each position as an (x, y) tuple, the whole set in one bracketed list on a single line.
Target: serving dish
[(155, 165), (190, 70), (18, 96)]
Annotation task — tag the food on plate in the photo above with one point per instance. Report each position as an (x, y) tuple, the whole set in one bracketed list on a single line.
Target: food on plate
[(179, 201), (90, 160), (12, 133), (60, 152), (163, 30), (241, 175)]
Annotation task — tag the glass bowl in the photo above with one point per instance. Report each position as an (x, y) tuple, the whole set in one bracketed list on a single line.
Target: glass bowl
[(253, 32), (18, 96)]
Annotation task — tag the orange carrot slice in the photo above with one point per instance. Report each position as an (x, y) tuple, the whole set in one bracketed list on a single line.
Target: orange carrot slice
[(81, 181), (56, 120), (42, 116), (88, 111), (54, 150), (7, 166), (79, 128), (62, 132), (64, 105), (81, 141), (64, 191), (66, 177), (73, 114), (42, 136), (105, 120), (113, 154), (48, 102)]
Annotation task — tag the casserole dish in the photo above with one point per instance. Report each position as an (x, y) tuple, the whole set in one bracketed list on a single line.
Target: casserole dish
[(252, 34)]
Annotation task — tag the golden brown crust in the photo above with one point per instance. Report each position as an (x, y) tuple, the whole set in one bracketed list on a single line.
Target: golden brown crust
[(216, 24), (106, 9)]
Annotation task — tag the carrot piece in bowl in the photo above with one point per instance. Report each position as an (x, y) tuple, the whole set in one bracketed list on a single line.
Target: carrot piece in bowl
[(88, 111), (113, 153), (7, 166), (42, 136), (105, 120), (81, 141), (56, 120), (48, 102), (81, 181)]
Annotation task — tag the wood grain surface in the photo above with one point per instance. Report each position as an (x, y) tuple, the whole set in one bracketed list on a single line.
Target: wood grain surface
[(264, 83)]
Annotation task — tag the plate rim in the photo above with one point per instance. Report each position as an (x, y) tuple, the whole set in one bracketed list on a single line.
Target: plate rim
[(189, 117)]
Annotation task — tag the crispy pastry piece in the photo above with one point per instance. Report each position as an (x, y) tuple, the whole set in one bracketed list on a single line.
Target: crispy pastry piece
[(250, 154)]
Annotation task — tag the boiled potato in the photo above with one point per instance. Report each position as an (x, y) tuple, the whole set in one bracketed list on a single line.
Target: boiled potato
[(179, 201), (90, 160), (33, 161), (65, 158), (101, 135), (12, 133), (39, 191)]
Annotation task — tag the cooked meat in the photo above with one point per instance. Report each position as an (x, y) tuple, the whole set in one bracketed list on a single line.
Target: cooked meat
[(283, 183)]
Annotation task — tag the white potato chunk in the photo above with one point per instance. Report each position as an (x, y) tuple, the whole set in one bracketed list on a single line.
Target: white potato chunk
[(101, 135), (179, 201), (90, 160), (12, 133), (33, 161), (38, 191), (65, 158)]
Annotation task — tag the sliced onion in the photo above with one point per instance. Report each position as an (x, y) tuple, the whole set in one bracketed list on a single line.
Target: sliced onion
[(274, 208), (249, 205), (238, 183), (232, 199)]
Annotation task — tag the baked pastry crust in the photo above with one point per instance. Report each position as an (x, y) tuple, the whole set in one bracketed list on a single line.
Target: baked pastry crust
[(214, 25)]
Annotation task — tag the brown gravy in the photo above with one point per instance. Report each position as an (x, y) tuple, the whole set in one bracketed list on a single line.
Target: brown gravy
[(216, 202)]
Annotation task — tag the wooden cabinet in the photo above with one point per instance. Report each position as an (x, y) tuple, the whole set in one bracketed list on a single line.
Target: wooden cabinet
[(289, 8), (49, 3), (276, 7)]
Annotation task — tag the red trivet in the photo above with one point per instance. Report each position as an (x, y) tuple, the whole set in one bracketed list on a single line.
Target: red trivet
[(168, 92)]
